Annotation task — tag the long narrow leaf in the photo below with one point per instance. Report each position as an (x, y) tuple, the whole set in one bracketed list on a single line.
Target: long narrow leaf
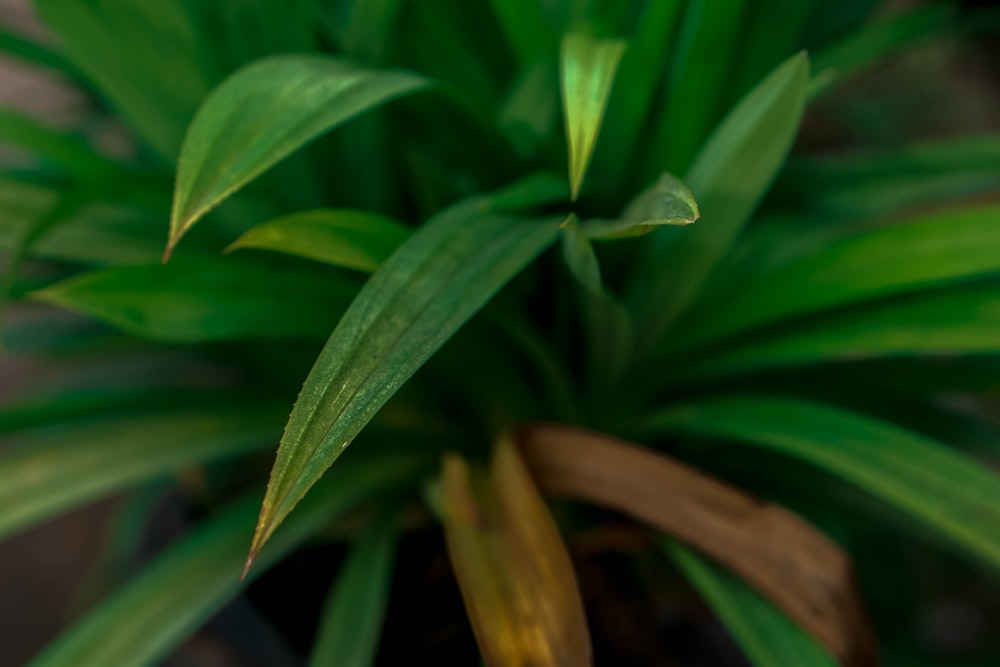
[(52, 472), (263, 113), (938, 249), (766, 635), (729, 177), (352, 618), (201, 300), (416, 300), (944, 489), (139, 625)]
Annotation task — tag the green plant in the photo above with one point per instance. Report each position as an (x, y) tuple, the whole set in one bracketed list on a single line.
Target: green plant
[(473, 291)]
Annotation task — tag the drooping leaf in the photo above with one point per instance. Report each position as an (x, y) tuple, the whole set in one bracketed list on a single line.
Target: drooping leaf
[(667, 202), (445, 272), (729, 177), (30, 52), (263, 113), (142, 623), (963, 321), (53, 470), (588, 69), (199, 300), (947, 491), (783, 557), (513, 570), (351, 239), (351, 622), (766, 635), (938, 249)]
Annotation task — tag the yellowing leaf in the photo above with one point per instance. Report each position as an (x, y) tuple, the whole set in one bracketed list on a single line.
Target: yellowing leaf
[(513, 570), (588, 72), (263, 113)]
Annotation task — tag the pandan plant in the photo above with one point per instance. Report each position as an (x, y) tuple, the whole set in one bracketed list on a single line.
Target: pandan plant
[(569, 334)]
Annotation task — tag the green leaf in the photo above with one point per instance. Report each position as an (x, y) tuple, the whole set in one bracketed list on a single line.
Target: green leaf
[(948, 323), (588, 72), (729, 177), (369, 30), (352, 616), (263, 113), (700, 66), (414, 302), (667, 202), (350, 239), (65, 151), (30, 52), (142, 57), (141, 624), (939, 249), (947, 491), (199, 300), (55, 470), (526, 28), (766, 635)]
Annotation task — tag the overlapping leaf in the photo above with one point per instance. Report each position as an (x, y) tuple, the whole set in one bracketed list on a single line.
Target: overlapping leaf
[(421, 295), (260, 115)]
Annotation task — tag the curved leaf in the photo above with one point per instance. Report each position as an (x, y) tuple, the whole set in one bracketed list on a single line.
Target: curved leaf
[(55, 471), (189, 301), (263, 113), (139, 625), (351, 239), (935, 250), (352, 617), (729, 177), (666, 202), (588, 72), (439, 278), (944, 489), (947, 323), (766, 635)]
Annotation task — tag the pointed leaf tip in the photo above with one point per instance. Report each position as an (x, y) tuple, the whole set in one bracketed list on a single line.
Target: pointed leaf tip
[(263, 113), (588, 72)]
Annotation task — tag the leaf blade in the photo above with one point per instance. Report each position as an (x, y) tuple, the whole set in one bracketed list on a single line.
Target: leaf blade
[(263, 113), (416, 300), (946, 490), (588, 68)]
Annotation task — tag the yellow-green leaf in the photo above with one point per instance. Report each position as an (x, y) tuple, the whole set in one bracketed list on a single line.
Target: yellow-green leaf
[(351, 239), (666, 202), (588, 72)]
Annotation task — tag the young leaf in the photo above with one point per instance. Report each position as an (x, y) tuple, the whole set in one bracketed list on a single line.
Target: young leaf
[(54, 471), (350, 239), (729, 177), (588, 72), (667, 202), (939, 249), (139, 625), (352, 616), (263, 113), (199, 300), (512, 567), (947, 323), (947, 491), (439, 278), (766, 635), (797, 567)]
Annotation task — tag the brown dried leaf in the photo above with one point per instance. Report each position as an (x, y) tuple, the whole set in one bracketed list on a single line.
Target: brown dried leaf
[(783, 557)]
